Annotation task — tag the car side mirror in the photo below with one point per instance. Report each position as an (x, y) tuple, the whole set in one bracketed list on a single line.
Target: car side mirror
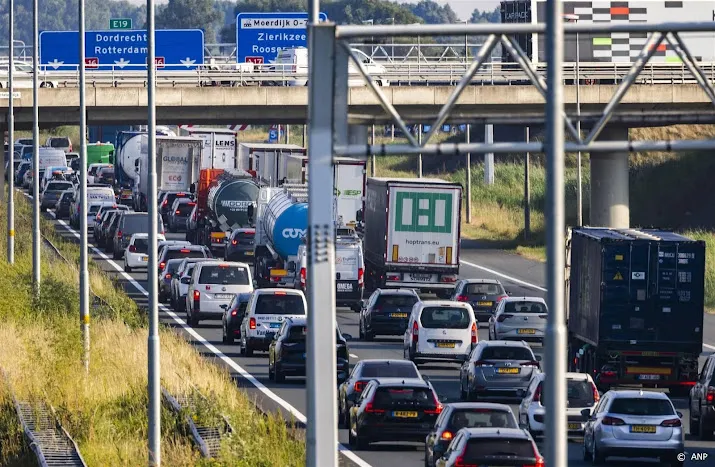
[(509, 292), (586, 414), (255, 284), (538, 358), (224, 306), (185, 280), (291, 266), (520, 393), (271, 336), (363, 304), (348, 337), (680, 414)]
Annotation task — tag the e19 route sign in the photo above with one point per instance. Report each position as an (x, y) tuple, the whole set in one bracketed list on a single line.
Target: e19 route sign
[(260, 36), (176, 49)]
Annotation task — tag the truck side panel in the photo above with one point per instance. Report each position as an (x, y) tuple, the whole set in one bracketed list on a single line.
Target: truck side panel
[(375, 219), (585, 290)]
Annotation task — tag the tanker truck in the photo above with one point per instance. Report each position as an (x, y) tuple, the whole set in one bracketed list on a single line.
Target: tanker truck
[(281, 223), (222, 199)]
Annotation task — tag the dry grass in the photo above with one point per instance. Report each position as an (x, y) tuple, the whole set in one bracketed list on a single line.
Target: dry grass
[(105, 410)]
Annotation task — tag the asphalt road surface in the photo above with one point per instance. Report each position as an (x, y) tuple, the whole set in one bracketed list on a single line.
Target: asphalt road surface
[(519, 276)]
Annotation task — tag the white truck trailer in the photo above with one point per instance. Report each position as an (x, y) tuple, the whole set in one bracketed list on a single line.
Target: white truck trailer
[(219, 151)]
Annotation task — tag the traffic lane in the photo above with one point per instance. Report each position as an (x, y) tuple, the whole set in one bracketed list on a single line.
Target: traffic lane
[(510, 269)]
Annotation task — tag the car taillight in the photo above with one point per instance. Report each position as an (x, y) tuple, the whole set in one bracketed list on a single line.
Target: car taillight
[(459, 462), (537, 394), (462, 298), (612, 421), (710, 397), (596, 395), (168, 276), (197, 295), (481, 363), (98, 217), (609, 374), (361, 274), (503, 316), (252, 323), (234, 312), (132, 248), (448, 279), (119, 234), (393, 277), (438, 406), (162, 265), (474, 333), (415, 332), (531, 363), (447, 435), (673, 422), (303, 274), (234, 242), (501, 297), (370, 409), (359, 386), (166, 201), (177, 212)]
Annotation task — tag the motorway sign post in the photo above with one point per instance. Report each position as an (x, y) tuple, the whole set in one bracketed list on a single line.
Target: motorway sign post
[(125, 50), (120, 23), (260, 36)]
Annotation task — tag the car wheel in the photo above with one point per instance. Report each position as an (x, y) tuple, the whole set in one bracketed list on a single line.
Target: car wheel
[(248, 350), (369, 335), (115, 255), (229, 337), (242, 347), (705, 433), (584, 450), (271, 372), (223, 333), (351, 439), (361, 443), (694, 424), (462, 392), (278, 375), (126, 267), (596, 457)]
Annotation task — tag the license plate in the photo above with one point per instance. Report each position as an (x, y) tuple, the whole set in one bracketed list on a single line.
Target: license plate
[(648, 377), (643, 429), (484, 303), (526, 331), (345, 287), (223, 296), (422, 277), (249, 253), (404, 414), (508, 371), (445, 345), (398, 315), (275, 325), (145, 258), (574, 426)]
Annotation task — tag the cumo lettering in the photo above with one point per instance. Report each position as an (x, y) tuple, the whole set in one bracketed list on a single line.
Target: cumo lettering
[(293, 233), (423, 212)]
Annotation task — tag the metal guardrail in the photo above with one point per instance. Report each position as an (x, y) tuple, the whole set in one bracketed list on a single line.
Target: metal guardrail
[(396, 74)]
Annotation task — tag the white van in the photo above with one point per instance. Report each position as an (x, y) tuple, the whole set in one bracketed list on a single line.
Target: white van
[(295, 61), (50, 157), (349, 271), (266, 311), (440, 330), (61, 173), (215, 283)]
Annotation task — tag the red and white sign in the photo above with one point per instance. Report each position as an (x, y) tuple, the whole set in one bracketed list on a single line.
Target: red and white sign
[(91, 63), (159, 62), (255, 60)]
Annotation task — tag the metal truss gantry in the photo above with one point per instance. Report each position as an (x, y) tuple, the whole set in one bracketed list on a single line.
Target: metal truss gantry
[(330, 55)]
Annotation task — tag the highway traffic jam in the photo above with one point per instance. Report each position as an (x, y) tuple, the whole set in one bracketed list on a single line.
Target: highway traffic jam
[(446, 368)]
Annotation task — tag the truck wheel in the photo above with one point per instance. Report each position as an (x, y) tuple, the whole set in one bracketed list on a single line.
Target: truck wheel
[(248, 350), (706, 434)]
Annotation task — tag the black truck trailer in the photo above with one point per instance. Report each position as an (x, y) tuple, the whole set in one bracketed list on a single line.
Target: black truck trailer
[(636, 304)]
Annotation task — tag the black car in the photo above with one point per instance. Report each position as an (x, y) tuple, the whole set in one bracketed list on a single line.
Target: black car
[(166, 200), (129, 224), (363, 372), (702, 402), (179, 214), (170, 252), (62, 206), (387, 312), (483, 294), (111, 228), (20, 172), (165, 278), (286, 353), (393, 409), (233, 317), (460, 415), (240, 244)]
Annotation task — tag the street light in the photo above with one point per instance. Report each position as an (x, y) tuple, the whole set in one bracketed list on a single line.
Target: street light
[(371, 22), (571, 18)]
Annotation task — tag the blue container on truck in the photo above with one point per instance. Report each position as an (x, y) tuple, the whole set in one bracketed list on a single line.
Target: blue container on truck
[(636, 304)]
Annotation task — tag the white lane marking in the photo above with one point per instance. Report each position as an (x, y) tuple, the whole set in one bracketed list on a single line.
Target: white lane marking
[(711, 347), (246, 375), (500, 274)]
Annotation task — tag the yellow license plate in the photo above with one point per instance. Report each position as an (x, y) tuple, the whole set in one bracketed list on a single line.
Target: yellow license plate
[(574, 426), (249, 253), (445, 345), (526, 331), (279, 272), (484, 303), (508, 371), (400, 315), (217, 235), (404, 414), (643, 429), (145, 259)]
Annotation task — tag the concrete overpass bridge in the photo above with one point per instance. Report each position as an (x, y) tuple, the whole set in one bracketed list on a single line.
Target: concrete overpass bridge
[(643, 105)]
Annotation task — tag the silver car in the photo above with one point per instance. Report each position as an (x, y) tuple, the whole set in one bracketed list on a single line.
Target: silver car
[(491, 446), (519, 318), (633, 424)]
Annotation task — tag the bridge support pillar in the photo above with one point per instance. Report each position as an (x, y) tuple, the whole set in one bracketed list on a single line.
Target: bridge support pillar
[(609, 184)]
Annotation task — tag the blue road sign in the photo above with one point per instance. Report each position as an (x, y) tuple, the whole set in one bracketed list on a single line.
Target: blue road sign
[(260, 36), (273, 136), (175, 49)]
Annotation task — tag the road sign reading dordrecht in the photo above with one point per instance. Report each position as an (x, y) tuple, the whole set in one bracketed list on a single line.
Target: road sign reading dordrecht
[(122, 50), (263, 35), (120, 23)]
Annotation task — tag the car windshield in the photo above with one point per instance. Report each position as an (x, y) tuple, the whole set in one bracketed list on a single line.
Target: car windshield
[(59, 143), (398, 396), (479, 448), (172, 266), (579, 394), (141, 244), (58, 186), (170, 197), (94, 208), (496, 352), (224, 274), (243, 238), (184, 209), (640, 406), (174, 253), (436, 317), (279, 304), (483, 289), (480, 418), (524, 307), (66, 196), (388, 370), (396, 301)]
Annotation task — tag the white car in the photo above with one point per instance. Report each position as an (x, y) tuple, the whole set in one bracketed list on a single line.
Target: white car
[(265, 313), (214, 283), (440, 330), (137, 254), (491, 446), (581, 394), (22, 78), (519, 318)]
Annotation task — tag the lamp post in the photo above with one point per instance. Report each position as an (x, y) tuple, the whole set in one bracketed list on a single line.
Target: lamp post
[(571, 18)]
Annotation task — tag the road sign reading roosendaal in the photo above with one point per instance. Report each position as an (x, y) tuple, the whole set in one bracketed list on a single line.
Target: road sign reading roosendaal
[(179, 49), (120, 23), (260, 36)]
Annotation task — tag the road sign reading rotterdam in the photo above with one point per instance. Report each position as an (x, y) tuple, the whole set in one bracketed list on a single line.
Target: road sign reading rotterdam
[(120, 23), (260, 36), (122, 50)]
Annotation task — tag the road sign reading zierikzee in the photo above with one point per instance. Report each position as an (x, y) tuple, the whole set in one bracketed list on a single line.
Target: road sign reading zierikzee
[(260, 36)]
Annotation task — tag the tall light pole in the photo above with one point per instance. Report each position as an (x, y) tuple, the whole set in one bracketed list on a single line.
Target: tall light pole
[(571, 18), (11, 137), (35, 151), (392, 59), (83, 244)]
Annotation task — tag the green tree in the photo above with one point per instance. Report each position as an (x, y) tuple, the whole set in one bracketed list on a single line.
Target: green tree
[(190, 14), (479, 16), (433, 13)]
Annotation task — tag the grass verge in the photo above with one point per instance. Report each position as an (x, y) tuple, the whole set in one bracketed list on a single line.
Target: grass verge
[(105, 410)]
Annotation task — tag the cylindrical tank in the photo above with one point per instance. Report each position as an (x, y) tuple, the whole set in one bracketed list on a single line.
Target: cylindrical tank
[(128, 155), (286, 223), (229, 198)]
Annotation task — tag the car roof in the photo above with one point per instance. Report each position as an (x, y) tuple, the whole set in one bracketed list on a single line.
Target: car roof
[(569, 375), (216, 262), (140, 235), (273, 291), (391, 361), (481, 281), (448, 303), (629, 393), (393, 382), (490, 432), (173, 246), (504, 344), (480, 405), (403, 291), (524, 298)]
